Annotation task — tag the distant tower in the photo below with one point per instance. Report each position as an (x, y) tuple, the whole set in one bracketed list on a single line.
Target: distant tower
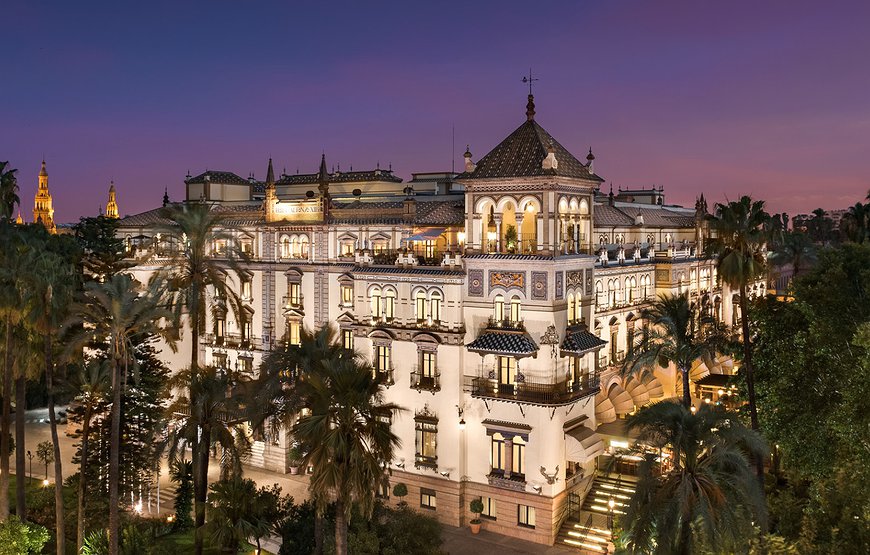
[(112, 206), (19, 220), (42, 211), (271, 197), (166, 195)]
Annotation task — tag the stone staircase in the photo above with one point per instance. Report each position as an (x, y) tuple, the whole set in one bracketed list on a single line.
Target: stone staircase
[(590, 533)]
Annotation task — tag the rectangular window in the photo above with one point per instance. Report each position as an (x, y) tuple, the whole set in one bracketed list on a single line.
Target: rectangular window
[(295, 294), (428, 364), (383, 491), (220, 328), (518, 461), (507, 370), (497, 448), (427, 499), (246, 290), (426, 443), (488, 508), (420, 306), (294, 333), (347, 339), (219, 360), (246, 365), (248, 246), (390, 305), (435, 308), (526, 516), (382, 359), (247, 329), (347, 295), (347, 248)]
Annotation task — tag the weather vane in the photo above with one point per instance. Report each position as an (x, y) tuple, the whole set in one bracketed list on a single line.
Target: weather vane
[(530, 80)]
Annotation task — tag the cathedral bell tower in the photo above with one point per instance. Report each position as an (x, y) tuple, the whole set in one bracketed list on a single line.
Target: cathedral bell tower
[(112, 206), (42, 211)]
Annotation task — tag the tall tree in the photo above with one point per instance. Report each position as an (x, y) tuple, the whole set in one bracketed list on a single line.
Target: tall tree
[(120, 310), (795, 249), (50, 293), (707, 496), (855, 222), (674, 336), (738, 246), (202, 255), (104, 253), (820, 226), (8, 191), (91, 386), (344, 438)]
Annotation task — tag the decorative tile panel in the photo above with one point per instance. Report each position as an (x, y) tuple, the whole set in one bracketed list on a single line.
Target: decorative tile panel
[(507, 280), (575, 279), (560, 286), (539, 285), (589, 281), (475, 283)]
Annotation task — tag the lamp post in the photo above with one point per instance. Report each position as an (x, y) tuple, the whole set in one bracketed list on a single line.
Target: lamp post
[(30, 458), (610, 505)]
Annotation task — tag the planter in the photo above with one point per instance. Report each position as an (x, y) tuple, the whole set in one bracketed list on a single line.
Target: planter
[(294, 470), (475, 527)]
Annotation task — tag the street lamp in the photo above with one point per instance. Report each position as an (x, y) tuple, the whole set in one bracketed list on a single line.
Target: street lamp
[(610, 505), (30, 458)]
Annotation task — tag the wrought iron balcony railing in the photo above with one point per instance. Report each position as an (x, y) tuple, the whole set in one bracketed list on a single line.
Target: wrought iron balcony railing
[(423, 380), (524, 391)]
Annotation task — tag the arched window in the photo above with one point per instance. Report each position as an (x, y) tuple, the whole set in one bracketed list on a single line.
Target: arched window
[(390, 304), (599, 293), (285, 247), (516, 315), (435, 306), (375, 297), (294, 247), (631, 284), (420, 305), (499, 308), (611, 292), (570, 308), (303, 246)]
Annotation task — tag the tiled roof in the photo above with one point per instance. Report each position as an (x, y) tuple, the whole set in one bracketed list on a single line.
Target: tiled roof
[(218, 177), (621, 215), (235, 214), (512, 343), (579, 342), (340, 177), (504, 256), (609, 216), (522, 154), (450, 212)]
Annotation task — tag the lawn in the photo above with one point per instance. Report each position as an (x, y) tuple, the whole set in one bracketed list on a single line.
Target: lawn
[(182, 542)]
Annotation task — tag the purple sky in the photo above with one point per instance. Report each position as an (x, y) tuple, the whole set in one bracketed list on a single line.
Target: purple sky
[(770, 98)]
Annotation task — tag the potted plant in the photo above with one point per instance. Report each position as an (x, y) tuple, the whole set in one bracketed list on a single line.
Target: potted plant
[(510, 238), (295, 456), (400, 490), (476, 508)]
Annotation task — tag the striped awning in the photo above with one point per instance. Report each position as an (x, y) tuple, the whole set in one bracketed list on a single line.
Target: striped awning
[(604, 411), (622, 402), (581, 442)]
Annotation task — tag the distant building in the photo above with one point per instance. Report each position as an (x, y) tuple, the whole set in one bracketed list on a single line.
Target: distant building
[(42, 209)]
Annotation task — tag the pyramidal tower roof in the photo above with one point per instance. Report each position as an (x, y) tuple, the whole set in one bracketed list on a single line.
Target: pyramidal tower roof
[(523, 152)]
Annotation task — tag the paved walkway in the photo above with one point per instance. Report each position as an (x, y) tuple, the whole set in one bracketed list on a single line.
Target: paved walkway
[(458, 541)]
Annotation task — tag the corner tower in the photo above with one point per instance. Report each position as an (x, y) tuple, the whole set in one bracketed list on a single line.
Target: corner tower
[(42, 210)]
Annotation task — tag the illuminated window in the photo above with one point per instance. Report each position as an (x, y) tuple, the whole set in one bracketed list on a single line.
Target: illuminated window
[(526, 516), (426, 443), (497, 448), (515, 309), (285, 247), (420, 305), (488, 508), (375, 300), (294, 333), (382, 358), (507, 370), (518, 461), (390, 304), (246, 289), (220, 327), (347, 339), (295, 294), (427, 498), (347, 295), (435, 306), (499, 308)]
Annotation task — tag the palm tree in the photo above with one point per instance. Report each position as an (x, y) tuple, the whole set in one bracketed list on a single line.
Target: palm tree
[(27, 358), (706, 496), (233, 512), (120, 311), (273, 395), (674, 336), (795, 249), (345, 438), (205, 412), (91, 386), (739, 250), (8, 191), (50, 291), (856, 221), (195, 231), (820, 226)]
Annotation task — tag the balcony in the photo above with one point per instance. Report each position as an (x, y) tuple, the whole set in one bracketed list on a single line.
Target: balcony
[(508, 480), (425, 461), (386, 375), (293, 301), (558, 393), (505, 324), (231, 341), (426, 381)]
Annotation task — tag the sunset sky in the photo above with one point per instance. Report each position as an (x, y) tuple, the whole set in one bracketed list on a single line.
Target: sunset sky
[(726, 98)]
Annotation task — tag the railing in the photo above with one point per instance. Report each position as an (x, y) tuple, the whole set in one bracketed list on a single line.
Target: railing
[(293, 301), (602, 361), (430, 259), (425, 381), (505, 324), (385, 257), (620, 356), (528, 243), (425, 461), (539, 393), (385, 374)]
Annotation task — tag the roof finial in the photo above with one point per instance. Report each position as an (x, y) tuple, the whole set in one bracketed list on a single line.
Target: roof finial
[(530, 106), (165, 196)]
